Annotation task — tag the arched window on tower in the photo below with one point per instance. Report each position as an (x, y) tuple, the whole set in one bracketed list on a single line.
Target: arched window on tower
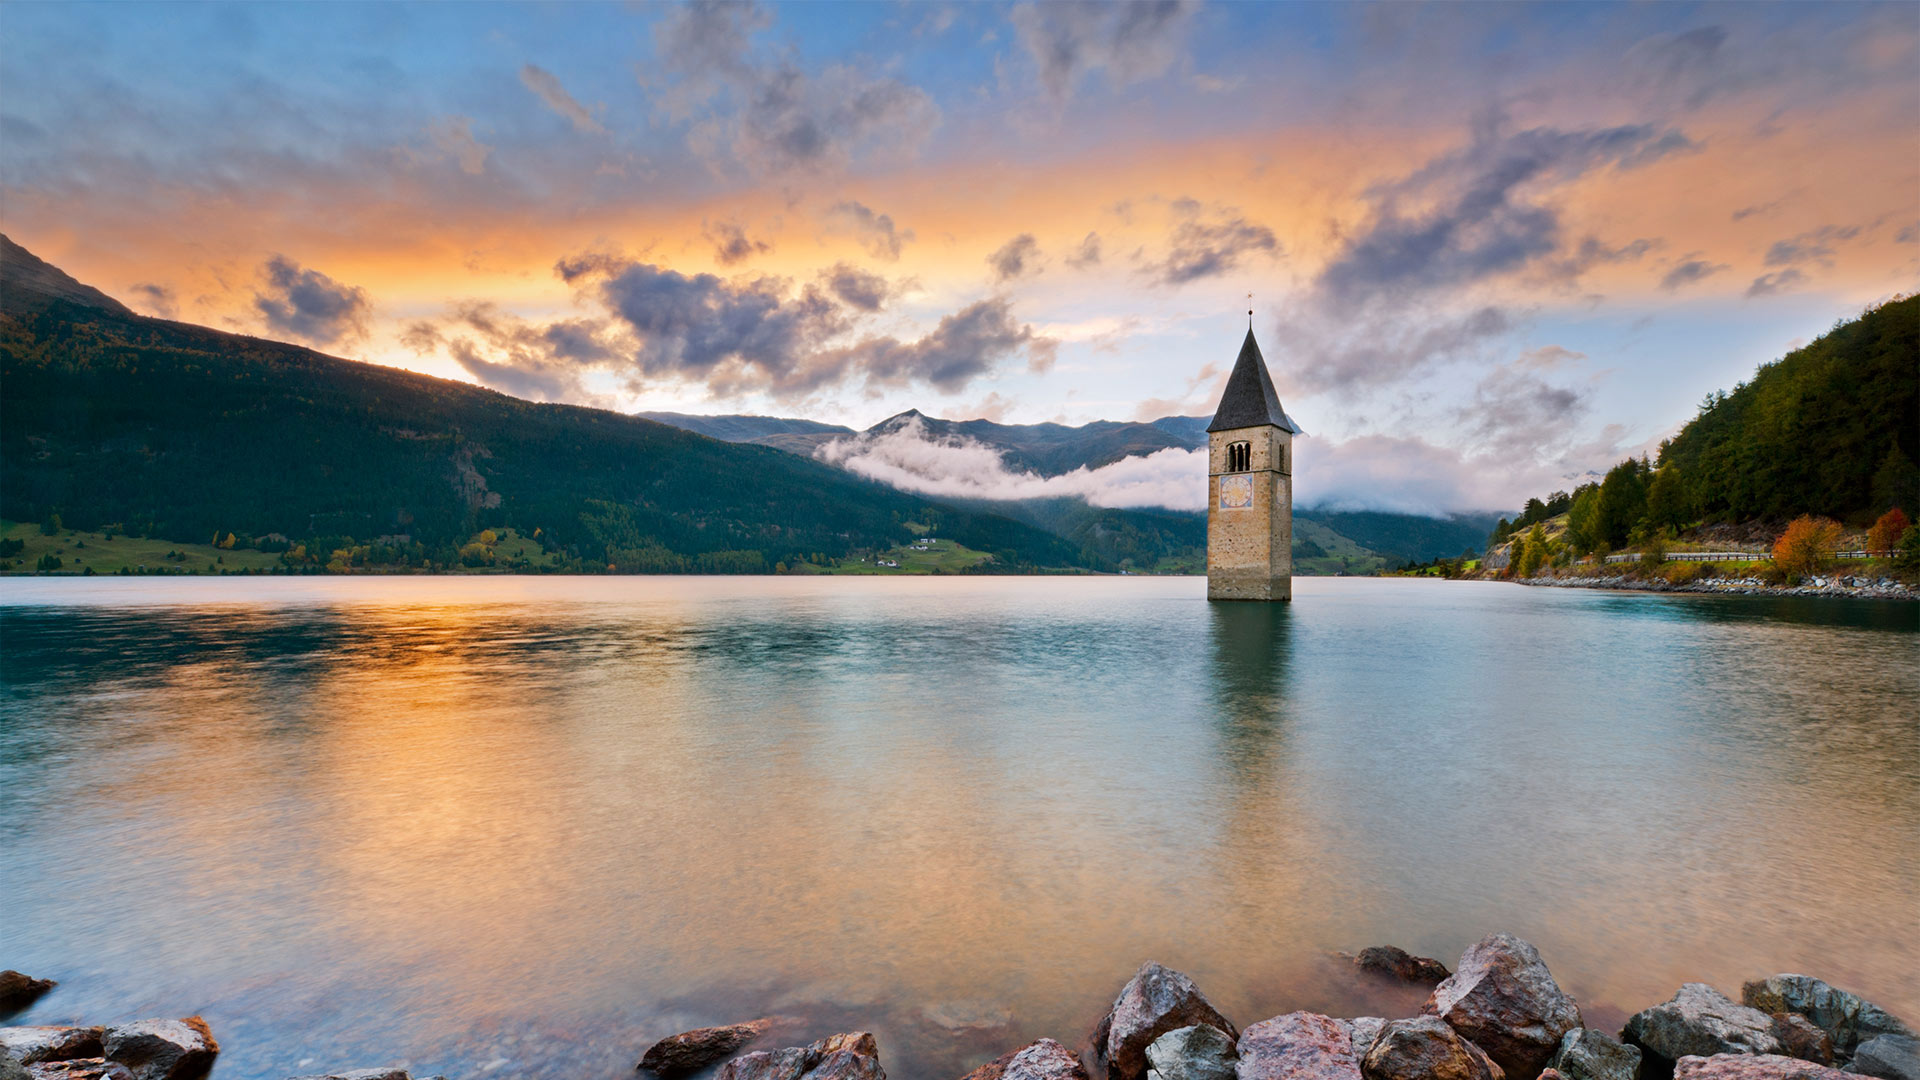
[(1239, 457)]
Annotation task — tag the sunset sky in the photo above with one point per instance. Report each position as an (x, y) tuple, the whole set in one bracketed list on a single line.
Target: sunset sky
[(1490, 247)]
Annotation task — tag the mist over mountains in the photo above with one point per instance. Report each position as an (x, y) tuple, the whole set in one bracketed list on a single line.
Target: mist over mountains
[(1033, 471)]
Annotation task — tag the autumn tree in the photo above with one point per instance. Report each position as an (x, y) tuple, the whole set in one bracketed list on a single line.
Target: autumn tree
[(1807, 545), (1885, 534)]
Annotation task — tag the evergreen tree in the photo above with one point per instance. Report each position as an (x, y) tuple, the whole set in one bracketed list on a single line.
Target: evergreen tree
[(1669, 503)]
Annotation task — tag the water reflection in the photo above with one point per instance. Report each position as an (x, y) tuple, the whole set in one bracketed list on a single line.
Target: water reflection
[(544, 822)]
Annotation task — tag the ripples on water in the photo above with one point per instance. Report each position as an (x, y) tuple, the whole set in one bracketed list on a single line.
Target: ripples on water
[(529, 825)]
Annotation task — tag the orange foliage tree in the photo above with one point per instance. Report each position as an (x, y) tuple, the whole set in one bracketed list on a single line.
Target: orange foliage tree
[(1885, 534), (1807, 545)]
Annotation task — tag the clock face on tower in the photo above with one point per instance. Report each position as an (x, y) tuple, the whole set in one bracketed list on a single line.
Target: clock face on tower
[(1236, 492)]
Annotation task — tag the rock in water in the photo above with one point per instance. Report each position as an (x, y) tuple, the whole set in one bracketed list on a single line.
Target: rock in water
[(1155, 1001), (362, 1074), (18, 991), (848, 1065), (789, 1064), (1586, 1054), (1752, 1067), (700, 1047), (163, 1049), (1503, 1000), (1297, 1046), (1399, 964), (80, 1069), (1426, 1048), (851, 1056), (1848, 1018), (1044, 1060), (1363, 1030), (1701, 1022), (1802, 1038), (1199, 1052), (1889, 1057), (30, 1044)]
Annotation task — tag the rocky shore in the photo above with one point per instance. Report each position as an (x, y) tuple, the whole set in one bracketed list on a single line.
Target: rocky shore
[(1499, 1016), (1837, 585)]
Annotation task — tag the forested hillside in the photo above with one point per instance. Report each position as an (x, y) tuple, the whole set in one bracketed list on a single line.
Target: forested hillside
[(180, 432), (1831, 429)]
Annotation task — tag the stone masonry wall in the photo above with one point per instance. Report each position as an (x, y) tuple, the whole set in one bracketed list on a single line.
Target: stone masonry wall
[(1250, 550)]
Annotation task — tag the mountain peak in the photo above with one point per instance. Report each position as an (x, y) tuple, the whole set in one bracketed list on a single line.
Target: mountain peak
[(30, 284)]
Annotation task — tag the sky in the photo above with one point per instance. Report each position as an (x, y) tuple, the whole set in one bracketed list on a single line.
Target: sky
[(1490, 248)]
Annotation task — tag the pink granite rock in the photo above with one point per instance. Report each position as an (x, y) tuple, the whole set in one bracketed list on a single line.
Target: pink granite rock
[(1298, 1046), (1503, 1000)]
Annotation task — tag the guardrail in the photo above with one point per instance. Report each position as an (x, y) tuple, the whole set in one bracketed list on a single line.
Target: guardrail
[(1738, 556)]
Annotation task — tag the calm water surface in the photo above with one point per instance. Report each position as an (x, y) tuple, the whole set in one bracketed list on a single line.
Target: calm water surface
[(523, 826)]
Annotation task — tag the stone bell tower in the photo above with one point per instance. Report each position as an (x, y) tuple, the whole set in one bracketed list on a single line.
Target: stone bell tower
[(1250, 487)]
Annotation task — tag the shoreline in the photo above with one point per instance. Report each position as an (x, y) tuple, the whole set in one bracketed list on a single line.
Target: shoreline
[(1498, 1014), (1840, 585)]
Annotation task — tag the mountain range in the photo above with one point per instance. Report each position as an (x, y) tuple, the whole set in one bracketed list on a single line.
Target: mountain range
[(182, 432)]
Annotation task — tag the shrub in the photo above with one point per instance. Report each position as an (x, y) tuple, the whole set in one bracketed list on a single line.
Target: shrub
[(1907, 555), (1885, 534), (1807, 546), (1655, 552), (49, 561)]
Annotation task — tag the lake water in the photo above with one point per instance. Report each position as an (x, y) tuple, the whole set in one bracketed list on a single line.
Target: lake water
[(524, 826)]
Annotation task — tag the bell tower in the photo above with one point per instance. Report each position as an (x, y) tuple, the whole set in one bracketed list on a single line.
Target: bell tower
[(1250, 487)]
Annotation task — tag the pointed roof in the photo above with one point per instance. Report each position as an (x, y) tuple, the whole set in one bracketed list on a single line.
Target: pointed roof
[(1250, 400)]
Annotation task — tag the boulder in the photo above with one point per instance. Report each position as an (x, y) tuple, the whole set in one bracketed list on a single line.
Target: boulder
[(1848, 1018), (1503, 1000), (1155, 1001), (18, 991), (163, 1049), (1802, 1038), (1426, 1048), (1297, 1046), (850, 1056), (11, 1069), (30, 1044), (1551, 1073), (1752, 1067), (1586, 1054), (788, 1064), (1701, 1022), (858, 1042), (1363, 1030), (362, 1074), (79, 1069), (1889, 1057), (1199, 1052), (1044, 1060), (849, 1065), (1397, 963), (700, 1047)]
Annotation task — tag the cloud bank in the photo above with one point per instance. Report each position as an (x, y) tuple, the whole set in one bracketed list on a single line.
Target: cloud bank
[(1371, 472), (911, 459)]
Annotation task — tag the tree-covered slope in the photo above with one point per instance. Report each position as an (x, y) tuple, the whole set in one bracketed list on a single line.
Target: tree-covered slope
[(179, 431), (1831, 429), (1810, 431)]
